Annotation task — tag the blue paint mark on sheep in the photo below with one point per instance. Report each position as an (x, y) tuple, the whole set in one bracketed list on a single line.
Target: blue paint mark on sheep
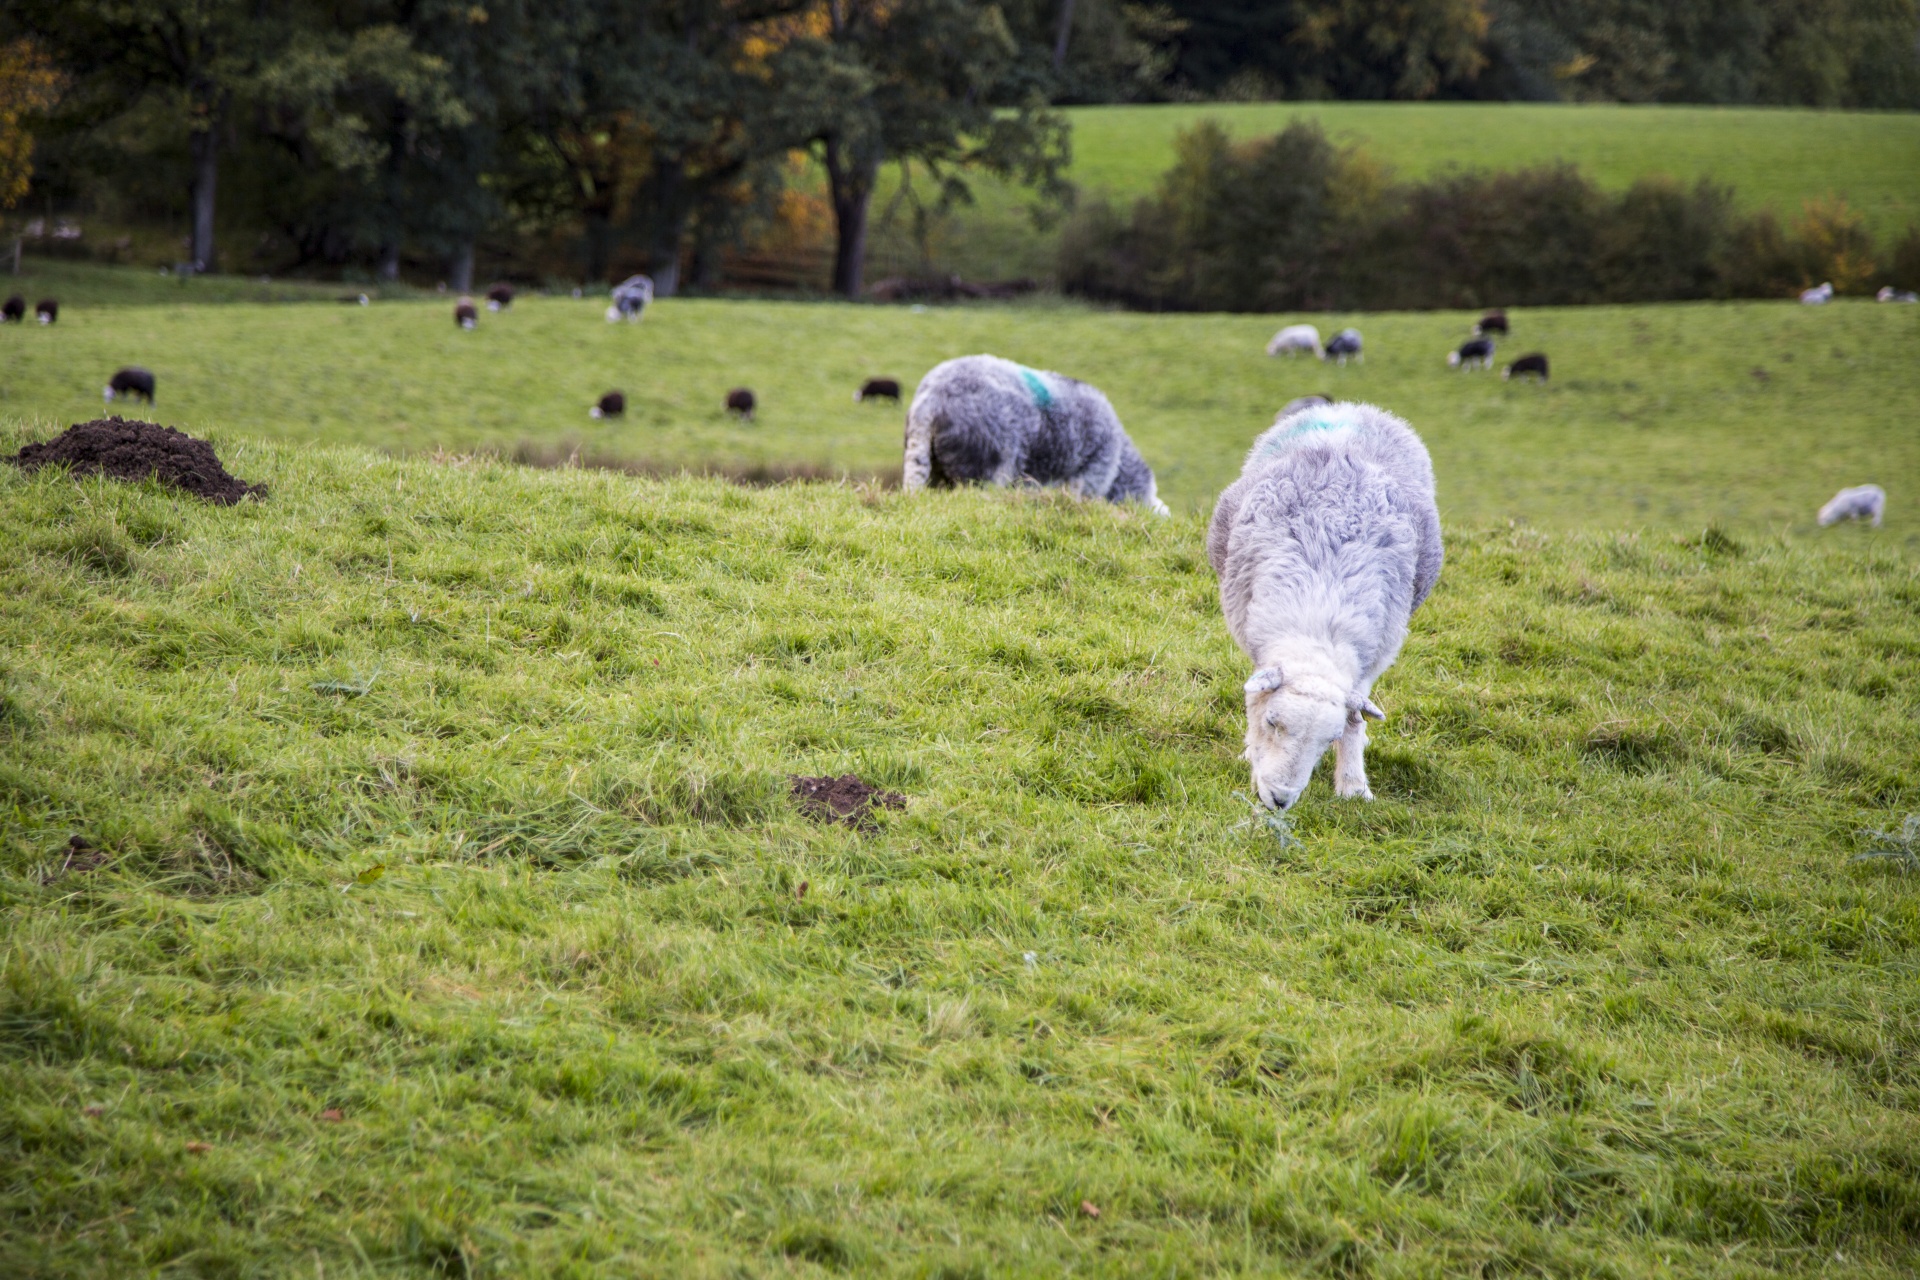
[(1037, 389)]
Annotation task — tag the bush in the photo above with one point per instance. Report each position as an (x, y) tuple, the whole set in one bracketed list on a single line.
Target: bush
[(1294, 223)]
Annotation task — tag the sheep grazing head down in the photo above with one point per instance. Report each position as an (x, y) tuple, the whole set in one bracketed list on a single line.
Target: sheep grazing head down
[(1289, 727)]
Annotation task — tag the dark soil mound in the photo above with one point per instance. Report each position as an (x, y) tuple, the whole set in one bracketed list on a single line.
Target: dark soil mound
[(135, 450), (843, 799)]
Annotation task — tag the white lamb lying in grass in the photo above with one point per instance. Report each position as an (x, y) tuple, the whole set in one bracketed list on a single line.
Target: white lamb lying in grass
[(1324, 547), (1862, 502)]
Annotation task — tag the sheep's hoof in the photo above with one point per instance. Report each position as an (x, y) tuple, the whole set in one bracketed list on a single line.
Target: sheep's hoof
[(1361, 792)]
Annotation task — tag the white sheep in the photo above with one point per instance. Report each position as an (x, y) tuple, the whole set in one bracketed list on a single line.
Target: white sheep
[(1324, 547), (1862, 502), (1296, 338), (629, 299), (1817, 295), (981, 419)]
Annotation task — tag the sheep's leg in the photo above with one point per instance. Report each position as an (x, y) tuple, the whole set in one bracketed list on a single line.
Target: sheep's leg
[(1350, 762)]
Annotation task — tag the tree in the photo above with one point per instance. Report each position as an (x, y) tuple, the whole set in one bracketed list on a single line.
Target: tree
[(29, 85), (916, 80), (1331, 48)]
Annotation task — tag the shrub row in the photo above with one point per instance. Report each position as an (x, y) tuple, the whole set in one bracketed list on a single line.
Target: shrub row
[(1294, 222)]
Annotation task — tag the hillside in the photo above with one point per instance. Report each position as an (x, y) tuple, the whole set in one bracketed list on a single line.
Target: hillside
[(1749, 415), (448, 915), (1770, 156)]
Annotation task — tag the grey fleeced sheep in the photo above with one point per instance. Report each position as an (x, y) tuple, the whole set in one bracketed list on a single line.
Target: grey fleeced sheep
[(1297, 337), (981, 419), (1324, 547), (1862, 502)]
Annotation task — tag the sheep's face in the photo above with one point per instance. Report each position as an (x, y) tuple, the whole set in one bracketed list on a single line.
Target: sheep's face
[(1287, 733)]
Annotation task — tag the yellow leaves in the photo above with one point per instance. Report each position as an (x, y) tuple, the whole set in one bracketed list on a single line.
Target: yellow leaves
[(29, 83), (1839, 246)]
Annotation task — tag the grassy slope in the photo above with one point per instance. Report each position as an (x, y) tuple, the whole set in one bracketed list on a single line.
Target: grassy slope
[(1771, 157), (1655, 416), (1594, 988)]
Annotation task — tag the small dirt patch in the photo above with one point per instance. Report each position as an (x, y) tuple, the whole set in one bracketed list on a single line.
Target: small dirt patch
[(128, 450), (80, 858), (843, 799)]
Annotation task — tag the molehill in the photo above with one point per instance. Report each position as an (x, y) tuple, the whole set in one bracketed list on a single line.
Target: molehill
[(135, 450), (843, 799)]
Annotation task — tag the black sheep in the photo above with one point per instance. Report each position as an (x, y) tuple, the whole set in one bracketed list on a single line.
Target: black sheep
[(1473, 351), (1534, 363), (13, 310), (131, 381), (465, 316), (46, 311), (612, 405), (1492, 322), (740, 401), (500, 297), (878, 389)]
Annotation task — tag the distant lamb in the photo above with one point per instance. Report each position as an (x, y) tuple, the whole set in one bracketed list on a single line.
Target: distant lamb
[(500, 297), (878, 389), (1817, 295), (1296, 338), (47, 310), (1474, 351), (1492, 322), (740, 401), (130, 382), (464, 314), (630, 299), (612, 405), (981, 419), (1862, 502), (1533, 364), (1890, 294), (1295, 405), (1324, 547), (13, 310), (1345, 344)]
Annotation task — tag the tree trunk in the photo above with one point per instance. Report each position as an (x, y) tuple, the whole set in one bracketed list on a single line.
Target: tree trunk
[(669, 227), (598, 236), (460, 273), (203, 146), (850, 183), (390, 260), (1062, 33)]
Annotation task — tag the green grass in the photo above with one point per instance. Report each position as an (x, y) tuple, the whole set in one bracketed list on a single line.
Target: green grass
[(1597, 987), (93, 284), (1655, 416), (1771, 157)]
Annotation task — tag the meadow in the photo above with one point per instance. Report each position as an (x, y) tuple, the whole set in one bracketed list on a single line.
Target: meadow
[(438, 909), (1748, 415), (1772, 157)]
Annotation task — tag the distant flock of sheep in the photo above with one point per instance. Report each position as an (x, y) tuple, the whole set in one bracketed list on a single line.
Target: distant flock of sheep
[(1324, 546)]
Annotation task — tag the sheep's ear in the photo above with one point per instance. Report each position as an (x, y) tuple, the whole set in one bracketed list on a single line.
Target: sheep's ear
[(1370, 711), (1265, 680)]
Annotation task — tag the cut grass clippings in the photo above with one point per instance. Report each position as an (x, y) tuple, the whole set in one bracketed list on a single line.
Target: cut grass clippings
[(522, 963)]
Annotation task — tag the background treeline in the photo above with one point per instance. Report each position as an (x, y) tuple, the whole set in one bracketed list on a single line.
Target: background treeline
[(1293, 222), (1829, 53)]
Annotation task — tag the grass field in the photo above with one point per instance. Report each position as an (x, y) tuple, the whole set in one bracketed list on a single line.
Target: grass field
[(1656, 415), (1771, 157), (449, 917)]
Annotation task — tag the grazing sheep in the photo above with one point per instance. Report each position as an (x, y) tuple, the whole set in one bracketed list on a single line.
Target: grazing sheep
[(740, 401), (130, 382), (630, 299), (356, 299), (1817, 295), (500, 297), (47, 310), (464, 315), (1296, 338), (981, 419), (1862, 502), (1295, 405), (878, 389), (1474, 351), (612, 405), (1324, 547), (1534, 364), (1345, 343), (1891, 294), (13, 310), (1492, 322)]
